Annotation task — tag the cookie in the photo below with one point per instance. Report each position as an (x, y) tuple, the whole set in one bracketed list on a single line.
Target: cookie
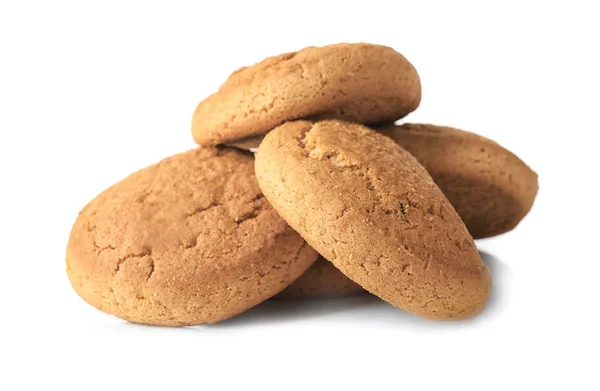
[(370, 208), (361, 83), (322, 279), (490, 188), (187, 241)]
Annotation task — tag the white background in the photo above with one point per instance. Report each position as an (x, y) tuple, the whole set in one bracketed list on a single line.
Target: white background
[(90, 93)]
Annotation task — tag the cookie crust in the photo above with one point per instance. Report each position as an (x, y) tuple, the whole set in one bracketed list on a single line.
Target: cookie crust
[(361, 83), (370, 208), (187, 241)]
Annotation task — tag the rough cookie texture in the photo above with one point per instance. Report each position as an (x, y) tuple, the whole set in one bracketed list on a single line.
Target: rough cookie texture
[(490, 188), (369, 207), (361, 83), (322, 279), (187, 241)]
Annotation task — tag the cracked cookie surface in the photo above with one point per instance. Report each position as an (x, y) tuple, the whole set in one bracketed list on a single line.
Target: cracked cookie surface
[(187, 241), (491, 189), (361, 83), (370, 208)]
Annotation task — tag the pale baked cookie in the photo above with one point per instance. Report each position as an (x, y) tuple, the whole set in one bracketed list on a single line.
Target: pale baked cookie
[(187, 241), (322, 279), (490, 188), (369, 207), (362, 83)]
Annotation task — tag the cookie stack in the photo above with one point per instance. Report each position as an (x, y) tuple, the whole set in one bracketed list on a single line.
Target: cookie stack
[(335, 200)]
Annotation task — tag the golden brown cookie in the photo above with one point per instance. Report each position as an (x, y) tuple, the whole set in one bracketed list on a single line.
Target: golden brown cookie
[(369, 207), (490, 188), (322, 279), (357, 82), (187, 241)]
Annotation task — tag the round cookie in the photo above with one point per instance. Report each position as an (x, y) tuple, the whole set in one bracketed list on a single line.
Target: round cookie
[(322, 279), (187, 241), (490, 188), (361, 83), (370, 208)]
